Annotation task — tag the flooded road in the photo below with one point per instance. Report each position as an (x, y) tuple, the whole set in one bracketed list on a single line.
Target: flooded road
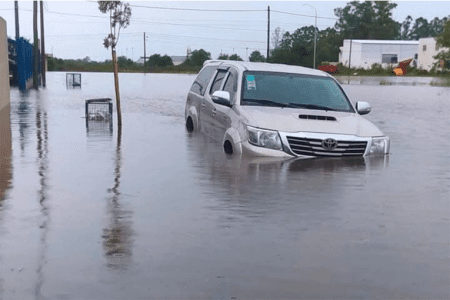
[(157, 213)]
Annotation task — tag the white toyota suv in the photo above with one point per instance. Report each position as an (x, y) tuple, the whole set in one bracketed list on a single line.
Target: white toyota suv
[(279, 110)]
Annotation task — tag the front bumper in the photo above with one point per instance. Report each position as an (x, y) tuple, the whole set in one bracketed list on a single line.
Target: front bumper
[(309, 145)]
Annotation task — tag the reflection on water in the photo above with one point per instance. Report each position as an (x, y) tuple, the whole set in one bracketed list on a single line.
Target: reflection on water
[(42, 162), (255, 186), (99, 128), (24, 111), (117, 238)]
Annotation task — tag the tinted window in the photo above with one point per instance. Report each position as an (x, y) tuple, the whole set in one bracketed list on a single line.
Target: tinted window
[(231, 85), (202, 80), (218, 81)]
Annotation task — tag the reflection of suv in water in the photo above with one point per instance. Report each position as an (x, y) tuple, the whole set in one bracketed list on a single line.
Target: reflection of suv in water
[(279, 110)]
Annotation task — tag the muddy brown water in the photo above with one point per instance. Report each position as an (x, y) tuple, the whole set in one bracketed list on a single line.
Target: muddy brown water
[(158, 213)]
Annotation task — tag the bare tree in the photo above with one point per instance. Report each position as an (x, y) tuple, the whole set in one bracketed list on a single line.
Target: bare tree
[(119, 17), (277, 36)]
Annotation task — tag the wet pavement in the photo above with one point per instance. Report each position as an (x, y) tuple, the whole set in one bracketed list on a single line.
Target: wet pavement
[(157, 213)]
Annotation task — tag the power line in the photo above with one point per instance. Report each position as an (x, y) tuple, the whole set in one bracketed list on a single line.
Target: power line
[(230, 10), (146, 21), (67, 14), (203, 26), (155, 34), (287, 13), (190, 9), (198, 9)]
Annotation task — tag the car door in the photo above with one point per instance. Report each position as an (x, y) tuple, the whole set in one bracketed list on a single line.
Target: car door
[(199, 90), (209, 108), (224, 114)]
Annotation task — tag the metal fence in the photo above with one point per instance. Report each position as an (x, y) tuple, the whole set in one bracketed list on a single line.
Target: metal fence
[(73, 80), (21, 58), (99, 115)]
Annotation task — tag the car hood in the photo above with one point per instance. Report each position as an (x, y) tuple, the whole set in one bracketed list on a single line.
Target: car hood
[(287, 120)]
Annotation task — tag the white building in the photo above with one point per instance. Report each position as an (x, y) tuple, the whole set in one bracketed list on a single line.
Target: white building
[(364, 53), (177, 60), (427, 50)]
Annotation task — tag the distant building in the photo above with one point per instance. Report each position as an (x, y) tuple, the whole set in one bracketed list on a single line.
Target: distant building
[(175, 59), (427, 50), (365, 53), (140, 61)]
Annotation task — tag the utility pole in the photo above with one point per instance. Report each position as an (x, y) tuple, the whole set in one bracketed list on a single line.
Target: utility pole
[(144, 53), (268, 30), (42, 45), (16, 8), (35, 45)]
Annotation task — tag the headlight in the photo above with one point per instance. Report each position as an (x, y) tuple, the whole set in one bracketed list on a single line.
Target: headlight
[(379, 146), (264, 138)]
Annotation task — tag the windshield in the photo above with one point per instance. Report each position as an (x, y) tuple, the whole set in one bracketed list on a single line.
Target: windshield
[(293, 90)]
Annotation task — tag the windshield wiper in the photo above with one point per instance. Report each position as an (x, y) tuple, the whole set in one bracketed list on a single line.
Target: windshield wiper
[(268, 102), (310, 106)]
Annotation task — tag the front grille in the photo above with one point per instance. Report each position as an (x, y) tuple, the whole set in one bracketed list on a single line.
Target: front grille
[(313, 147)]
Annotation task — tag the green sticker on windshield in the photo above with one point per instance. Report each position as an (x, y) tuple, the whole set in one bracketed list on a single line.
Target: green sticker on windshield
[(251, 82)]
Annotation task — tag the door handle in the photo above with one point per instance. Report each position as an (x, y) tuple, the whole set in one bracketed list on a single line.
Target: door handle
[(214, 111)]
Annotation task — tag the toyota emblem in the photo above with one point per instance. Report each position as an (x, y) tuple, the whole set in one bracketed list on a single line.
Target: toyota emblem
[(329, 144)]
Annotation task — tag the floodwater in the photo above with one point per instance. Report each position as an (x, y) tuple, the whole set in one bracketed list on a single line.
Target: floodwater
[(157, 213)]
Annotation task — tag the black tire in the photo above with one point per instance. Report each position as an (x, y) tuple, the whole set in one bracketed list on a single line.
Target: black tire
[(228, 147), (189, 124)]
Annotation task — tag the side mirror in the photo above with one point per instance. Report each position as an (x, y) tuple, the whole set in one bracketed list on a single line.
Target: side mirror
[(222, 98), (363, 108)]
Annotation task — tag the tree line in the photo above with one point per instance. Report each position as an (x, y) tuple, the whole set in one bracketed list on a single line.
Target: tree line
[(357, 20)]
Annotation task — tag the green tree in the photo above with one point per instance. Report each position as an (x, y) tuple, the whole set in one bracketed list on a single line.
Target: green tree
[(295, 55), (119, 17), (328, 43), (166, 61), (437, 26), (367, 20), (406, 28), (153, 60), (256, 56), (157, 60), (420, 29), (197, 58), (235, 57), (415, 29), (296, 48), (443, 40), (124, 62), (223, 57)]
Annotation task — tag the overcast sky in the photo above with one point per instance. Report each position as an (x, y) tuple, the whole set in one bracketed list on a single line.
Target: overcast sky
[(76, 29)]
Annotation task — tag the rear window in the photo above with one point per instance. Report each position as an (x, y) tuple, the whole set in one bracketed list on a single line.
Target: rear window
[(202, 80)]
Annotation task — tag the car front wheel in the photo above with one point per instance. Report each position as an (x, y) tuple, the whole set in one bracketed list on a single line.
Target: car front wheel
[(189, 124), (228, 147)]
